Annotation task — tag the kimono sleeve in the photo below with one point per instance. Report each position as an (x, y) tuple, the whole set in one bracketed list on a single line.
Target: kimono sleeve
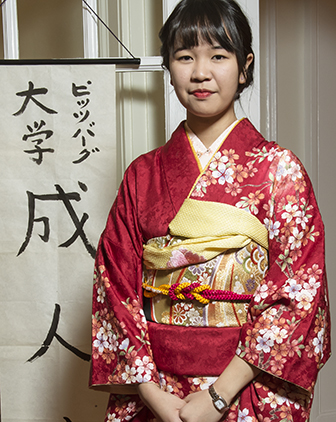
[(288, 329), (121, 352)]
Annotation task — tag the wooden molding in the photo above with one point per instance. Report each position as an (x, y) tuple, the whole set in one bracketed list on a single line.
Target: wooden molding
[(311, 91), (270, 123), (90, 31), (10, 30)]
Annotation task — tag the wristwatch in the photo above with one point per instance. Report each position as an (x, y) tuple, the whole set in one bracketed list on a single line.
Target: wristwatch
[(218, 401)]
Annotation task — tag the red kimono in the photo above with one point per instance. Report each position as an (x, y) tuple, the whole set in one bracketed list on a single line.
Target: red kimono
[(286, 329)]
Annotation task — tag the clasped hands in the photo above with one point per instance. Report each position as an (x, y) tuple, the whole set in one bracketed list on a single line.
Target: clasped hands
[(196, 407)]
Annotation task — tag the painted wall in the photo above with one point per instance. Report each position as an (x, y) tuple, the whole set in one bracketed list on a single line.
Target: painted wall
[(325, 409), (298, 93), (49, 29), (287, 71)]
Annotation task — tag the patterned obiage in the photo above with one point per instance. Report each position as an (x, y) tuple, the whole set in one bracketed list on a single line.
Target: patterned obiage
[(286, 333)]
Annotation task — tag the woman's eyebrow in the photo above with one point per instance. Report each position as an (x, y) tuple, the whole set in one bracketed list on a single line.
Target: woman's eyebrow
[(218, 47), (213, 47), (180, 49)]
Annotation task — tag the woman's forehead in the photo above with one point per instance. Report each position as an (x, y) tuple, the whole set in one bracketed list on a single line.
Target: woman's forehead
[(194, 35), (201, 43), (188, 42)]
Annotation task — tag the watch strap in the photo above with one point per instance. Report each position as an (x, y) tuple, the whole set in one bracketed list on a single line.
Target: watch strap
[(218, 401)]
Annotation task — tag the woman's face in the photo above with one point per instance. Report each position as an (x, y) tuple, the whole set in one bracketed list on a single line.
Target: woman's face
[(205, 79)]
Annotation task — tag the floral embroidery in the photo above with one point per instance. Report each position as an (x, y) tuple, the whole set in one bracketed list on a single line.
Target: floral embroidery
[(171, 384), (122, 408), (274, 335), (243, 416), (290, 227), (179, 313), (234, 189), (224, 171), (251, 201), (110, 341), (223, 174), (183, 257), (112, 417), (272, 227)]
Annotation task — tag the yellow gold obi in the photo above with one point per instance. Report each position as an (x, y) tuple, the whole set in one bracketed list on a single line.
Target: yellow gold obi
[(185, 274)]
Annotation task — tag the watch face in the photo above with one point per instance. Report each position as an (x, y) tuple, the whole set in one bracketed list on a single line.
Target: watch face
[(219, 404)]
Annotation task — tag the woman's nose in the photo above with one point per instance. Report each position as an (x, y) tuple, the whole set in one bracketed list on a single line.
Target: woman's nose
[(201, 71)]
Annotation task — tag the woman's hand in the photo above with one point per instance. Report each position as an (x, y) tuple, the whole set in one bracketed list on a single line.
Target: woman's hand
[(199, 408), (165, 406)]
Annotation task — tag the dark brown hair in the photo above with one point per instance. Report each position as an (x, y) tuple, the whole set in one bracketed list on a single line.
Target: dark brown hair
[(219, 21)]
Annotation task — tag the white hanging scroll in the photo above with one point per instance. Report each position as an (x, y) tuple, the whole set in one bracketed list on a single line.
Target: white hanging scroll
[(58, 181)]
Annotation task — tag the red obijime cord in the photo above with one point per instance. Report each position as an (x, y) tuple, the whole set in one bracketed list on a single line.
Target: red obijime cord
[(194, 291)]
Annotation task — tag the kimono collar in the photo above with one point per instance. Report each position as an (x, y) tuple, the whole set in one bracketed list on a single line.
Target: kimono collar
[(202, 152)]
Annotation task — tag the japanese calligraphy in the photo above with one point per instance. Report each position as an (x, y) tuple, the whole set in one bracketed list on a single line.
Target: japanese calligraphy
[(38, 131), (29, 95), (83, 120), (66, 199), (37, 134), (52, 333)]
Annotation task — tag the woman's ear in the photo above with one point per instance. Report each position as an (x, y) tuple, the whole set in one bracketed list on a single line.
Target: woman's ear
[(242, 76)]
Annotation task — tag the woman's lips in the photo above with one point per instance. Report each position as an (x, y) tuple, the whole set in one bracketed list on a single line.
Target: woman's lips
[(201, 93)]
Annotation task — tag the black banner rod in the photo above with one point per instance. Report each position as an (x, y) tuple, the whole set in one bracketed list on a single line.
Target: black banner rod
[(135, 62)]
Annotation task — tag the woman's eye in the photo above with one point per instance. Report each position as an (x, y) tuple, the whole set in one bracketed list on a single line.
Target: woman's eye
[(219, 57), (184, 58)]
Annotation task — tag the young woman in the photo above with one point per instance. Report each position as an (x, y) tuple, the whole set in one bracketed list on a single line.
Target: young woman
[(210, 297)]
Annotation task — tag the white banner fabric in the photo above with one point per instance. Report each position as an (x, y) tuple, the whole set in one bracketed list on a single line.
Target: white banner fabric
[(58, 181)]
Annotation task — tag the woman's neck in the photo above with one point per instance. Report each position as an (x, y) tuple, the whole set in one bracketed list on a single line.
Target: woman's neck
[(208, 129)]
